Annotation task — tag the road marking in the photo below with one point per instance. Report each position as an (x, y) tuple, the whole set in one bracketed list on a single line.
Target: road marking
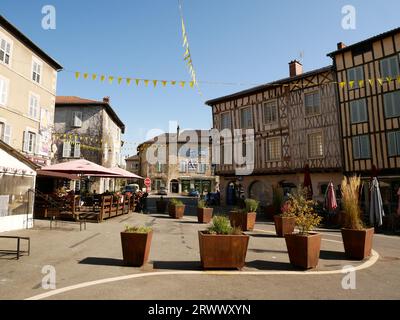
[(374, 257)]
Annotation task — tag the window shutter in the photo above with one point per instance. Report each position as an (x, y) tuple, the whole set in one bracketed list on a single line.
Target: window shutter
[(385, 68), (77, 150), (396, 103), (356, 148), (25, 142), (3, 91), (77, 118), (7, 134), (364, 146), (37, 143), (354, 111), (391, 143), (362, 110), (66, 149)]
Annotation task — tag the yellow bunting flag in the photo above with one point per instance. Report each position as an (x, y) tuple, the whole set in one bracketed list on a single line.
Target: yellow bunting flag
[(111, 79), (380, 81), (137, 81), (182, 83), (85, 75), (351, 84), (164, 83), (119, 80), (146, 82), (398, 79), (173, 83), (371, 82), (185, 43), (191, 84), (102, 78), (361, 83), (77, 74), (94, 76), (186, 53), (154, 83), (389, 79), (128, 81)]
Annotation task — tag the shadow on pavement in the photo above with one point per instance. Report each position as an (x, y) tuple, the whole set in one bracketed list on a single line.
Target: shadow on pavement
[(177, 265), (332, 255), (270, 265), (263, 235), (265, 250), (103, 261), (191, 222)]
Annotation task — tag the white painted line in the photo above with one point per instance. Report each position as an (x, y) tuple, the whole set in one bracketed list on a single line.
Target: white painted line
[(374, 257)]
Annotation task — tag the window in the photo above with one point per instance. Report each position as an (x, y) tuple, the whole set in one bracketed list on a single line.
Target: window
[(274, 151), (3, 90), (192, 166), (33, 106), (5, 132), (355, 74), (29, 143), (71, 149), (390, 67), (315, 147), (392, 104), (77, 119), (270, 112), (312, 103), (225, 120), (202, 168), (361, 148), (358, 111), (182, 166), (5, 51), (246, 119), (36, 70), (393, 143), (244, 149), (159, 167)]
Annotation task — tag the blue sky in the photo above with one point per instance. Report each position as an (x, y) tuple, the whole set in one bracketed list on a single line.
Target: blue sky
[(231, 41)]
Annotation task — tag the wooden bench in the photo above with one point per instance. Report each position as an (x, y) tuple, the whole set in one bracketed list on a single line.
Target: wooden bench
[(18, 250)]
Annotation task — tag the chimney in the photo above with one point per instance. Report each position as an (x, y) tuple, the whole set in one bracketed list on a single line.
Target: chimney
[(106, 100), (295, 68), (341, 45)]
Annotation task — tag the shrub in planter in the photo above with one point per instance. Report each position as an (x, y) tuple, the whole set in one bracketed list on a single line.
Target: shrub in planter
[(245, 219), (176, 208), (303, 247), (357, 239), (286, 221), (222, 246), (161, 205), (136, 243), (204, 213)]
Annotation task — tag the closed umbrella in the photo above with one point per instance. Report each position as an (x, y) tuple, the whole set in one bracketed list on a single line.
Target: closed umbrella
[(376, 212), (307, 181), (331, 203)]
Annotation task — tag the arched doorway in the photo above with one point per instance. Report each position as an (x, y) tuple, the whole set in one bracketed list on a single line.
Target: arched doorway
[(258, 191), (174, 186)]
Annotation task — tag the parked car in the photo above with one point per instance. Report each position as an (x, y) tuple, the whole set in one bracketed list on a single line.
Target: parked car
[(162, 191), (132, 188), (194, 193)]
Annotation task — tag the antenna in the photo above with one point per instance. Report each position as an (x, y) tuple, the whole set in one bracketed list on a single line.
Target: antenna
[(301, 55)]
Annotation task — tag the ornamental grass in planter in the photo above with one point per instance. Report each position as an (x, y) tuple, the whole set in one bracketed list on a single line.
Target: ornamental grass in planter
[(357, 239), (176, 208), (285, 221), (136, 243), (161, 205), (204, 213), (303, 247), (222, 246), (245, 219)]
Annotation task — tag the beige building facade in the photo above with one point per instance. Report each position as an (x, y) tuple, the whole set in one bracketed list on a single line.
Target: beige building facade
[(28, 81)]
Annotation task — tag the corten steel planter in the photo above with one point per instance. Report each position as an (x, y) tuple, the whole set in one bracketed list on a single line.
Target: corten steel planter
[(303, 250), (176, 212), (136, 248), (284, 225), (357, 243), (161, 206), (223, 251), (204, 215), (244, 221)]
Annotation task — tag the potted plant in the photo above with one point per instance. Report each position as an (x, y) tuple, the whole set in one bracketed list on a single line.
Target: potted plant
[(303, 247), (176, 208), (204, 213), (357, 239), (245, 219), (222, 246), (136, 245), (161, 205), (285, 221)]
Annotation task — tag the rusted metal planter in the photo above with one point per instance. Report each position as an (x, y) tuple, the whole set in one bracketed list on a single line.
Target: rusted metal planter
[(161, 206), (204, 215), (223, 251), (357, 243), (176, 212), (303, 250), (284, 225), (136, 248), (245, 221)]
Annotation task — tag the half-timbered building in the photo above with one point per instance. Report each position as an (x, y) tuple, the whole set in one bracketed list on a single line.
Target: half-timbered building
[(295, 122)]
